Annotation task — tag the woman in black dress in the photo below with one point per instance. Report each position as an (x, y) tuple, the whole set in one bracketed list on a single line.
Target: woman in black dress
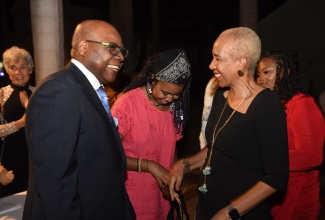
[(19, 65), (246, 159)]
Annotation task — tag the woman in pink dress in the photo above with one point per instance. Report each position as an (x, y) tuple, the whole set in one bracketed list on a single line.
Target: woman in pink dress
[(151, 116), (306, 133)]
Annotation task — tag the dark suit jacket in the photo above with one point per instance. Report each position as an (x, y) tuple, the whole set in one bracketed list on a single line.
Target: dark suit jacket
[(77, 162)]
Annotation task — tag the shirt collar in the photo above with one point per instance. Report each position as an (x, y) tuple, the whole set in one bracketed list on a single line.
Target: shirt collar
[(91, 77)]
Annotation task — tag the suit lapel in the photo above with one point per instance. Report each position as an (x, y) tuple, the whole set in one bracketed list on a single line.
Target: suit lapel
[(92, 96)]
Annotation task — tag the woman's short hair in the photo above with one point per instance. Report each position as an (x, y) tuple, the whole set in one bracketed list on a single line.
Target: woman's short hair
[(247, 44), (15, 53)]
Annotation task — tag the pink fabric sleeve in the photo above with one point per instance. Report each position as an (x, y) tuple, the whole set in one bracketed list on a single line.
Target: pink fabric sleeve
[(121, 111)]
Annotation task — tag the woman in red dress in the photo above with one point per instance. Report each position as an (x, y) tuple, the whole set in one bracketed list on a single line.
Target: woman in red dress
[(306, 133)]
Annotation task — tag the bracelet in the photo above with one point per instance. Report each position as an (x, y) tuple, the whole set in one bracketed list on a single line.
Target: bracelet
[(186, 165), (139, 165)]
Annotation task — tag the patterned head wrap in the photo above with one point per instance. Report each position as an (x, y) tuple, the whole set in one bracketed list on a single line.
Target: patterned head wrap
[(172, 66)]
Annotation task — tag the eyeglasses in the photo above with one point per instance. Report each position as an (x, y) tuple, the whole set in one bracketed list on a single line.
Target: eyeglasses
[(113, 48)]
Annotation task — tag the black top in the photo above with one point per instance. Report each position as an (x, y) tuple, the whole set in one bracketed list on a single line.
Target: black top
[(15, 153), (252, 147)]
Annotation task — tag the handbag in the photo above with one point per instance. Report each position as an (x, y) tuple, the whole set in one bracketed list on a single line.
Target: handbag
[(181, 209)]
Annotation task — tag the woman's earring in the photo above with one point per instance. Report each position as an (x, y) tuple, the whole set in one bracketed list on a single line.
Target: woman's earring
[(149, 88), (240, 73), (181, 115)]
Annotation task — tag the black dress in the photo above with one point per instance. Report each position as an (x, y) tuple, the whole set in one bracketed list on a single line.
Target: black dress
[(15, 152), (251, 147)]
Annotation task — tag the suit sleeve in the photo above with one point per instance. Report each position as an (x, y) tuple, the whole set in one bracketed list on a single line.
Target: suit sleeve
[(52, 130)]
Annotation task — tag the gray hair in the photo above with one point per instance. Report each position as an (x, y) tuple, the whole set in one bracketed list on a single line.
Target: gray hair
[(246, 44), (16, 53)]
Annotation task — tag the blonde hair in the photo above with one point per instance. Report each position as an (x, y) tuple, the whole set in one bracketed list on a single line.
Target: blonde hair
[(246, 44), (15, 53)]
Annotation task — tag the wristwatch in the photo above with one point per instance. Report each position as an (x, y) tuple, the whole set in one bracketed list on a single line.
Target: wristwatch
[(233, 213)]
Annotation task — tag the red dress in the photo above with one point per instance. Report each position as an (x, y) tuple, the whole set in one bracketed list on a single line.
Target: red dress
[(148, 134), (306, 133)]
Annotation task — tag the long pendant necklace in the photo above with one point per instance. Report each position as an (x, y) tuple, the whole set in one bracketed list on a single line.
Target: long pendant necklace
[(207, 169)]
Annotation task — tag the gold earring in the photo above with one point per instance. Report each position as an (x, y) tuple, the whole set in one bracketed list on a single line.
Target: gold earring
[(240, 73)]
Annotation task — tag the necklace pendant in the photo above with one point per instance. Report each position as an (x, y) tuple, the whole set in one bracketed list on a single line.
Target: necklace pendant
[(207, 170), (203, 188)]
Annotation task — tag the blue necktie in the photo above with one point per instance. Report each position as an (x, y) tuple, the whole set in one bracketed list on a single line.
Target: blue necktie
[(104, 99)]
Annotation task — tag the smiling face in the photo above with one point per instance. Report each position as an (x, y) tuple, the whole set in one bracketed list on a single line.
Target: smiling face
[(266, 72), (95, 56), (165, 92), (19, 72), (223, 67)]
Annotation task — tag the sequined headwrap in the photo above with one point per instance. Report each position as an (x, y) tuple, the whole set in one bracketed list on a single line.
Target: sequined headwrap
[(178, 71)]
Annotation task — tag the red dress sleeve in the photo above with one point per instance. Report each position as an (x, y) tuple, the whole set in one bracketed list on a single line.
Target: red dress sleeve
[(306, 133)]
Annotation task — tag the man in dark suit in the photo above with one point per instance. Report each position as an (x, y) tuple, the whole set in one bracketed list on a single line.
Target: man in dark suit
[(77, 161)]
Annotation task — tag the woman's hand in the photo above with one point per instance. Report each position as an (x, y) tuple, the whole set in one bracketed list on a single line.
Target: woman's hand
[(185, 165), (175, 180), (160, 174), (5, 176)]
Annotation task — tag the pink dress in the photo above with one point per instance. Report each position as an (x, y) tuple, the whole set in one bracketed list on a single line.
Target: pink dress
[(148, 134)]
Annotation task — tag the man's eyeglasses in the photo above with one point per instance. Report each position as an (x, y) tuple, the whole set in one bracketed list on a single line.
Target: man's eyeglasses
[(113, 48)]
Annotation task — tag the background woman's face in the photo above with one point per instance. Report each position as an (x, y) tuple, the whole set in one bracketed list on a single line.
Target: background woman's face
[(19, 72), (266, 72)]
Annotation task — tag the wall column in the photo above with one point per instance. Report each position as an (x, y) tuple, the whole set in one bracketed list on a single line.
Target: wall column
[(248, 14), (47, 30), (121, 16)]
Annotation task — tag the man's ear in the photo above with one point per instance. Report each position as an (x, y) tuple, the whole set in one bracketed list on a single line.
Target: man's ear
[(82, 47)]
